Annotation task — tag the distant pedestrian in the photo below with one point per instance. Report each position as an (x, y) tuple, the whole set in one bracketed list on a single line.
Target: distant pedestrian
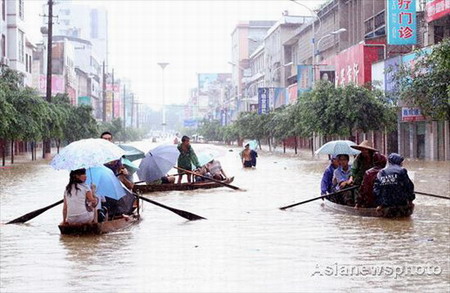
[(248, 157), (186, 159)]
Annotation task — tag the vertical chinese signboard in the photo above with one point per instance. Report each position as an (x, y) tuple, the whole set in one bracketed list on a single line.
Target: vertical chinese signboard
[(263, 100), (401, 22), (304, 78)]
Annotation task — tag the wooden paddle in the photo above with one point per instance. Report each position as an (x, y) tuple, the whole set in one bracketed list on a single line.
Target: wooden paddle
[(319, 197), (208, 178), (34, 214), (433, 195), (181, 213)]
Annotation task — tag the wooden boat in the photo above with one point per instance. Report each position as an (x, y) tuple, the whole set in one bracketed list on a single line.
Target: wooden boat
[(119, 223), (145, 188), (391, 212)]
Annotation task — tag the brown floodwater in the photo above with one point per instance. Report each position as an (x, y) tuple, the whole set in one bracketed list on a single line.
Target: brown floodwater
[(247, 243)]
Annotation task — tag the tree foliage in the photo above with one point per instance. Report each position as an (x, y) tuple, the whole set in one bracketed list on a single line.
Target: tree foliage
[(325, 110), (426, 84)]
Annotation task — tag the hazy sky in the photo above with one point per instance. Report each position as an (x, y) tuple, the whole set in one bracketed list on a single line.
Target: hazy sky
[(193, 36)]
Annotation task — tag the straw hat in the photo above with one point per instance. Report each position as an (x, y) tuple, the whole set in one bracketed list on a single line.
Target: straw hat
[(365, 145)]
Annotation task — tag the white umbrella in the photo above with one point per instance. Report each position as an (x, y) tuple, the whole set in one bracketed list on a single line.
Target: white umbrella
[(86, 153), (338, 147)]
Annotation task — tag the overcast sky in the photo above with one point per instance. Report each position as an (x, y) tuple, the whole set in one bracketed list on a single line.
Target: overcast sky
[(193, 36)]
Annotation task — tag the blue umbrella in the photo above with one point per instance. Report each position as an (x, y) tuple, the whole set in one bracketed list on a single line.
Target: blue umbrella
[(253, 144), (203, 158), (105, 181), (338, 147), (158, 162), (131, 167), (132, 153)]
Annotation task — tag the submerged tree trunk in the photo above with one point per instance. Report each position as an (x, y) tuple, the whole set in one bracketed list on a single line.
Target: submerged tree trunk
[(259, 143), (58, 144), (12, 152), (295, 144), (284, 146), (3, 144)]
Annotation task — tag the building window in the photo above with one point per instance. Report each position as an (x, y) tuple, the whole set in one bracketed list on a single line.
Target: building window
[(21, 7), (3, 46), (21, 43), (26, 62), (29, 64), (4, 9)]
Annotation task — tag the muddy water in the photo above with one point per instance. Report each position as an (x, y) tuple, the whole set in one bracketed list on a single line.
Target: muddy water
[(246, 244)]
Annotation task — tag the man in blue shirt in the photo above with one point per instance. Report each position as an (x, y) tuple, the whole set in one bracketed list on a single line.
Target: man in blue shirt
[(326, 186)]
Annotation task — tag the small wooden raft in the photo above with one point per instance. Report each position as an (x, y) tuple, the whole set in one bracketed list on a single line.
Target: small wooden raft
[(391, 212), (145, 188)]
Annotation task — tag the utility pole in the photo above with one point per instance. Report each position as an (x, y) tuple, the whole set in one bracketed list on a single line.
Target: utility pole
[(113, 105), (132, 109), (104, 93), (48, 96)]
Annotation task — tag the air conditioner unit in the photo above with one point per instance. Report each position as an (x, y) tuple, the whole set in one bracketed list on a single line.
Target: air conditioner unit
[(4, 61)]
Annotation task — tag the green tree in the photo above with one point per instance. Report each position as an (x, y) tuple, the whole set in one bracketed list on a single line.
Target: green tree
[(426, 84)]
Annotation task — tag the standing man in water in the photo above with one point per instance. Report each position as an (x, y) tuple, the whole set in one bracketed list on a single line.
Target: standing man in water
[(248, 157), (187, 158)]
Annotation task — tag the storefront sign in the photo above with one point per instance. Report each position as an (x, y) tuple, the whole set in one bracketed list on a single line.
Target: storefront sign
[(84, 100), (412, 114), (293, 93), (436, 9), (401, 22), (190, 123), (353, 65), (304, 78), (263, 100)]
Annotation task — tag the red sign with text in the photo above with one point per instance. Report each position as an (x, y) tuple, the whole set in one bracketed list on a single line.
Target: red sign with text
[(353, 65), (436, 9)]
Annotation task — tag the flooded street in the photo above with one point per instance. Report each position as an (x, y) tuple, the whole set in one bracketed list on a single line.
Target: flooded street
[(246, 243)]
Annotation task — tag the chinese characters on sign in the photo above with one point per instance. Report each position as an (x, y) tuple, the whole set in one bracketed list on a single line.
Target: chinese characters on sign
[(263, 100), (412, 114), (348, 74), (401, 22), (436, 9)]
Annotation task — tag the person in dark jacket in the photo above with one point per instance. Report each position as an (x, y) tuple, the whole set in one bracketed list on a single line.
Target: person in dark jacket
[(366, 198), (248, 157), (392, 186), (326, 185)]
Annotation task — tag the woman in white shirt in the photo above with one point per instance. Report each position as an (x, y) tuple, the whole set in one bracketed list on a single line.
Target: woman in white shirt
[(79, 201)]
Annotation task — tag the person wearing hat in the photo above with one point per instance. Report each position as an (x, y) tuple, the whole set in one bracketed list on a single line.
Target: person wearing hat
[(392, 187), (366, 198), (326, 185), (363, 162)]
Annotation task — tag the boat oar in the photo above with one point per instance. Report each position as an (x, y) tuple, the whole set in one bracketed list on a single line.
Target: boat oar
[(319, 197), (208, 178), (433, 195), (181, 213), (34, 214)]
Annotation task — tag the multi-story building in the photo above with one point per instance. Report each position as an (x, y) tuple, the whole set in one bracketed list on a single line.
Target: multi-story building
[(15, 49), (245, 38), (84, 22)]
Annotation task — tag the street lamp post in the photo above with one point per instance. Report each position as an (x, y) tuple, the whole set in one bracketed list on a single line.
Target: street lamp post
[(341, 30), (313, 63), (163, 66)]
